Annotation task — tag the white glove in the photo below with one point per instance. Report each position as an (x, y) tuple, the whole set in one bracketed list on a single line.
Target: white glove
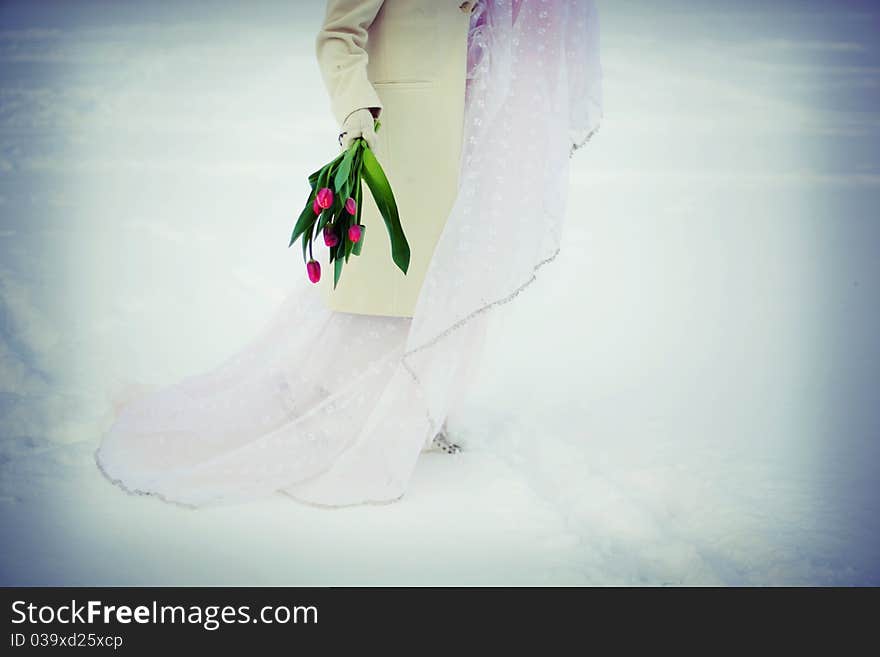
[(359, 123)]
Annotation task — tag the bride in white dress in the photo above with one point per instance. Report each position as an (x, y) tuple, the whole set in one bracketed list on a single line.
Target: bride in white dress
[(334, 408)]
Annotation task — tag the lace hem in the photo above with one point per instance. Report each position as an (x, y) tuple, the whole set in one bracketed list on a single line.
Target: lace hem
[(138, 491), (193, 507), (485, 307), (319, 505), (433, 423)]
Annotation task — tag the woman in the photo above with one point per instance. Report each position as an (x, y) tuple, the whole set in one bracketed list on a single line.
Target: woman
[(374, 62), (333, 407)]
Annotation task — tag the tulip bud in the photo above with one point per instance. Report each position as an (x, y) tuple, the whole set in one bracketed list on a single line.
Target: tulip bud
[(330, 237), (354, 232), (313, 267), (315, 207), (325, 197), (351, 206)]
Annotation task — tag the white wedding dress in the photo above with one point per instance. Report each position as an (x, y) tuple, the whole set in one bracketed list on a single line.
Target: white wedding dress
[(334, 408)]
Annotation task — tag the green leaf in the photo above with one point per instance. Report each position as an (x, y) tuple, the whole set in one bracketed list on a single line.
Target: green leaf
[(354, 177), (337, 271), (324, 178), (313, 179), (307, 237), (348, 243), (350, 184), (324, 181), (306, 218), (344, 193), (341, 177), (324, 219), (358, 198), (356, 249), (379, 186)]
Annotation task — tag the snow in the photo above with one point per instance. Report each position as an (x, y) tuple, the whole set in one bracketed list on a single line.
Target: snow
[(687, 395)]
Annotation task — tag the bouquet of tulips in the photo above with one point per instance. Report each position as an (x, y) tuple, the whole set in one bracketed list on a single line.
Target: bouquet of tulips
[(333, 210)]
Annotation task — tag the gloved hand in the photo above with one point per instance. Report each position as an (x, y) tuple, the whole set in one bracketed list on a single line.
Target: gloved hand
[(359, 123)]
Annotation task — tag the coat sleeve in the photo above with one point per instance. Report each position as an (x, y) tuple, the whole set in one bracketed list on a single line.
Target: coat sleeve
[(342, 57)]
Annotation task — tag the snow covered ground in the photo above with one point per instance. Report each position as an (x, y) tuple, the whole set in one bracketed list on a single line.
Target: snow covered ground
[(688, 395)]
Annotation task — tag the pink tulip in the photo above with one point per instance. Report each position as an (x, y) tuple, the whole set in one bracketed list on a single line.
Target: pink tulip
[(351, 206), (330, 238), (354, 232), (315, 207), (324, 197), (314, 269)]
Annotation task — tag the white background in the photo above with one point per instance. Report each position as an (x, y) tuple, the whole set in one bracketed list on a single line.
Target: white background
[(689, 394)]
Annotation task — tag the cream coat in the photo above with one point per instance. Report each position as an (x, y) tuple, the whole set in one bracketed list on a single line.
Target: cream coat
[(406, 60)]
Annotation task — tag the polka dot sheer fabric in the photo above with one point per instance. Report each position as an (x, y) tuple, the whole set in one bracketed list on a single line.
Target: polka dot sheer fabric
[(334, 408)]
